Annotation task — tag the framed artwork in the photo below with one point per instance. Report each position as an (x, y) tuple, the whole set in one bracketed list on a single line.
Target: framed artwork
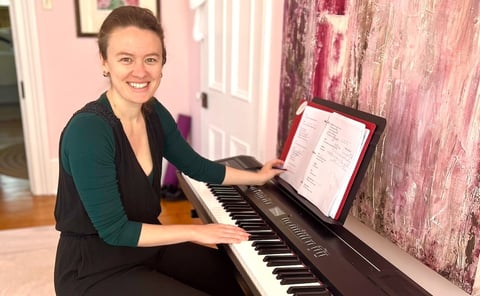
[(90, 14)]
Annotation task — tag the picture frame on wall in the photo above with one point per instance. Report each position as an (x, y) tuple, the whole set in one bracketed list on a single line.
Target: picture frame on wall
[(89, 14)]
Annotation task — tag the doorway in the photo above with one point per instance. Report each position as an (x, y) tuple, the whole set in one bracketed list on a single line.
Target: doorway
[(13, 164)]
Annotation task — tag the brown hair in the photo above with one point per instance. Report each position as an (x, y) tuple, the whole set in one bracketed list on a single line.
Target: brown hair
[(125, 16)]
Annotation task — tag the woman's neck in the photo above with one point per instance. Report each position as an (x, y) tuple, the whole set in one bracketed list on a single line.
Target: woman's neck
[(126, 111)]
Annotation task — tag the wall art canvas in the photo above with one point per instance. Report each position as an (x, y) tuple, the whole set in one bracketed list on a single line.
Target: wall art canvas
[(416, 63)]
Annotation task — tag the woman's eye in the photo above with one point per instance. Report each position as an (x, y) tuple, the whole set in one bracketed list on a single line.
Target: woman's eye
[(126, 60), (151, 60)]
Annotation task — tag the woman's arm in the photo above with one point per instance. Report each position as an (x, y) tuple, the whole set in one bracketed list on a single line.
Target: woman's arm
[(155, 235)]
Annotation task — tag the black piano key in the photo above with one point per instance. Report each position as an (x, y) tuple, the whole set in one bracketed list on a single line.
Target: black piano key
[(273, 248), (236, 208), (282, 260), (279, 270), (271, 251), (250, 222), (260, 245), (320, 290), (256, 227), (244, 212), (243, 216), (268, 243), (220, 193), (241, 223), (226, 195), (297, 279), (221, 189), (262, 236), (229, 198), (234, 203)]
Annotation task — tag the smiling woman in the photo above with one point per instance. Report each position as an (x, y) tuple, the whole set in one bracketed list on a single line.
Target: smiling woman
[(108, 203)]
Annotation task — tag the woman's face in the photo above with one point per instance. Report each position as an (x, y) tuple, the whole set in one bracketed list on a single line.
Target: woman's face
[(134, 61)]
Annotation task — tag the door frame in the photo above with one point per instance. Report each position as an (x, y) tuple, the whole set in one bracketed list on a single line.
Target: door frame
[(32, 104)]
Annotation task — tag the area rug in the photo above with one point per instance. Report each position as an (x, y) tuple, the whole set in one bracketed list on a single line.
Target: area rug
[(27, 258), (13, 161)]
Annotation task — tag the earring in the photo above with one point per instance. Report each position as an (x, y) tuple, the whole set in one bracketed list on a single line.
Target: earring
[(106, 74)]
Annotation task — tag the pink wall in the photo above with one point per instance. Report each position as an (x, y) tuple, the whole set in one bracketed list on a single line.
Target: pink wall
[(71, 68)]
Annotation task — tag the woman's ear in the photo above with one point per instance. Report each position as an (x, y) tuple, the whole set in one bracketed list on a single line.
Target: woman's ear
[(104, 64)]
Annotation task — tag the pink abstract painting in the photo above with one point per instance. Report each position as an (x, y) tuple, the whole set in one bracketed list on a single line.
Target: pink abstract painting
[(416, 63)]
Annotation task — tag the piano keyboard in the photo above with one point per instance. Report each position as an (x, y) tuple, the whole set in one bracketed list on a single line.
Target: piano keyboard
[(270, 264)]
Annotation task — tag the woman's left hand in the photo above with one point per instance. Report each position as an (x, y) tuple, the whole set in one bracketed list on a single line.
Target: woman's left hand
[(270, 169)]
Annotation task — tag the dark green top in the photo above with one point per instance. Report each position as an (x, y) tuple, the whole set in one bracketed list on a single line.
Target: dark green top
[(87, 153)]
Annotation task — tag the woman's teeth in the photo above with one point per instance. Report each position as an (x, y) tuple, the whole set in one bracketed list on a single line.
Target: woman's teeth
[(138, 85)]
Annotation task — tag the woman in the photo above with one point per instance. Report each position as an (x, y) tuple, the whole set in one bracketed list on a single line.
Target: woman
[(108, 199)]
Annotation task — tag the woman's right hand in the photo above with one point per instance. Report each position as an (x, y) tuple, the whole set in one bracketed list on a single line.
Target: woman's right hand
[(218, 234)]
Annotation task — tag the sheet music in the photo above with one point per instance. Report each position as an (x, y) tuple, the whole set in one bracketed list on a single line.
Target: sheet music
[(337, 202), (309, 130), (333, 162)]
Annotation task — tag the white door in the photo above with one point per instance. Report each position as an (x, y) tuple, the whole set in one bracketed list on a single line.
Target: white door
[(231, 77)]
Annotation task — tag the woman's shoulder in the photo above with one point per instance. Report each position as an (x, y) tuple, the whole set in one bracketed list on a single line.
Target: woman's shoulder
[(158, 106), (165, 116), (87, 120), (88, 125)]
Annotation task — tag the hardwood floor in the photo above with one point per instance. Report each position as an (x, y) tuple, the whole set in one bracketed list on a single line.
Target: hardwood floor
[(19, 208)]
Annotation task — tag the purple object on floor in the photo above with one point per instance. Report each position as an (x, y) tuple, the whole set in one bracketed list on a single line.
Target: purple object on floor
[(183, 123)]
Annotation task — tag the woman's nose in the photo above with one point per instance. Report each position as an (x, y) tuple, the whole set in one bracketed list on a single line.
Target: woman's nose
[(139, 69)]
